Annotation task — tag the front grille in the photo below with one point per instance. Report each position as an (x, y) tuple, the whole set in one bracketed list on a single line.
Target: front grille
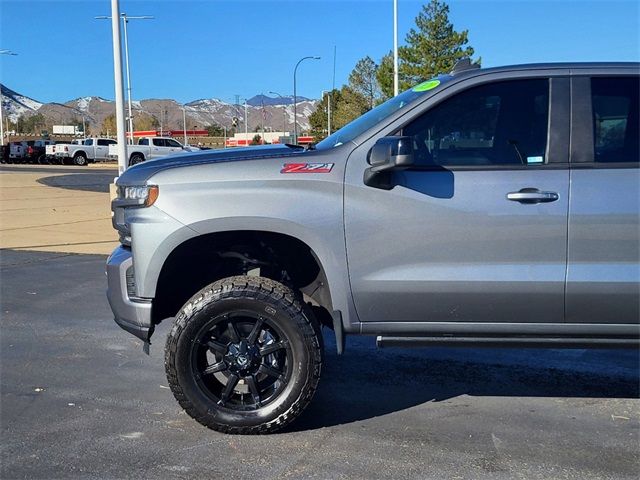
[(131, 282)]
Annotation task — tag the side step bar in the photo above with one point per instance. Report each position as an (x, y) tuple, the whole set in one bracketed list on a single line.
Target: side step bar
[(507, 342)]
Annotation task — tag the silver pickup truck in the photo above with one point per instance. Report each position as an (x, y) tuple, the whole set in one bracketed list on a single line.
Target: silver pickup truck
[(482, 207)]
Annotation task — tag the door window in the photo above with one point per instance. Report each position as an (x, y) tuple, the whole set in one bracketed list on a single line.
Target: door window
[(502, 123), (102, 143), (159, 142), (88, 142), (143, 141), (173, 143), (615, 119)]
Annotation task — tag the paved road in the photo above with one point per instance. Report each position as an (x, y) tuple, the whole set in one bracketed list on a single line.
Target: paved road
[(56, 208), (80, 399)]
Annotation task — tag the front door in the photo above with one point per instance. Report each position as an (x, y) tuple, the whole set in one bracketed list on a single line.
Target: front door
[(477, 231)]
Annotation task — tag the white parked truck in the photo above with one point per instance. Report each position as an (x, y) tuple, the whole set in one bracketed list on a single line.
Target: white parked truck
[(87, 151), (149, 148)]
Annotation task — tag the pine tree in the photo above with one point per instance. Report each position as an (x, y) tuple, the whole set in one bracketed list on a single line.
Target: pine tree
[(384, 75), (433, 47), (363, 80)]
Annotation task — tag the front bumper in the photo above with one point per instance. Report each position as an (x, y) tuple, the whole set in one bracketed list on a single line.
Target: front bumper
[(131, 313)]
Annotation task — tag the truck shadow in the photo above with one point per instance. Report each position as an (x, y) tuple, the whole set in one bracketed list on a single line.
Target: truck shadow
[(367, 383), (86, 182)]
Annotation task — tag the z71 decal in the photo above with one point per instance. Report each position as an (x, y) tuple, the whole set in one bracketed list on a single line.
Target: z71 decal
[(307, 168)]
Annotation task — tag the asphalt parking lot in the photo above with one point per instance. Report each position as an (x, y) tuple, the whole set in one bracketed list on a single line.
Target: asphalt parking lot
[(79, 399)]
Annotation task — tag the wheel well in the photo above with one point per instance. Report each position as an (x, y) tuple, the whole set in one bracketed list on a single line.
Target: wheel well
[(137, 154), (202, 260), (80, 152)]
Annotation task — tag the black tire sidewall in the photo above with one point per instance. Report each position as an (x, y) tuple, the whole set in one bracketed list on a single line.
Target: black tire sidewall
[(302, 361), (80, 160)]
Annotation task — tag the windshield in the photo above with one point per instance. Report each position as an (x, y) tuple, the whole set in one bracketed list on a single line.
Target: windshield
[(372, 117)]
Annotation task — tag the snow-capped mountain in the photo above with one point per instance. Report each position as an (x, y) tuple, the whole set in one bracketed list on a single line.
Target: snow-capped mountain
[(273, 113), (14, 104)]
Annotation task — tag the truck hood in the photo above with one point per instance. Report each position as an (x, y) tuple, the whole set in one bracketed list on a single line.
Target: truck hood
[(141, 172)]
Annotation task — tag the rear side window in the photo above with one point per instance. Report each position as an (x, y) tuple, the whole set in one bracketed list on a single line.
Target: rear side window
[(615, 119), (158, 142), (102, 142), (502, 123), (88, 141), (143, 141)]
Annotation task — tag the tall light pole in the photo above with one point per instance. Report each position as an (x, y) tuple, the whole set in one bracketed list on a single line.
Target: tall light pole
[(284, 113), (119, 88), (184, 123), (295, 98), (246, 120), (125, 21), (328, 92), (395, 48), (3, 52)]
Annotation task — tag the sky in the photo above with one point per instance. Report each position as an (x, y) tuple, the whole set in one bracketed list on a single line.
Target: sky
[(217, 48)]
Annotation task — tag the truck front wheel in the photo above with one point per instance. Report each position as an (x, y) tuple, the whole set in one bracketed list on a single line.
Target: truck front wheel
[(243, 356)]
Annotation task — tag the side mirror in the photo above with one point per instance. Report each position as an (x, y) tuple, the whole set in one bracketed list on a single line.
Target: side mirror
[(388, 154)]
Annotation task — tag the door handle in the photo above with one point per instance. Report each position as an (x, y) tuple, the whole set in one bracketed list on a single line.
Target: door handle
[(532, 196)]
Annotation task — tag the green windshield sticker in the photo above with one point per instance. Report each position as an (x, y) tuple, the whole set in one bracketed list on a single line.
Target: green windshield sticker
[(428, 85)]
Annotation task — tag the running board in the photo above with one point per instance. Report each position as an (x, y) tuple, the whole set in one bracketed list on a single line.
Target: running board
[(507, 342)]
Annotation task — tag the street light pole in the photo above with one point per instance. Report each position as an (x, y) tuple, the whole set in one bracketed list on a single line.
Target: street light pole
[(3, 52), (125, 21), (395, 48), (295, 99), (119, 88), (284, 114), (184, 123), (328, 92), (246, 120)]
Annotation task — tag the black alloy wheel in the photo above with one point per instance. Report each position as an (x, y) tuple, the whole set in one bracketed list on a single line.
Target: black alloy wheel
[(242, 361), (244, 356)]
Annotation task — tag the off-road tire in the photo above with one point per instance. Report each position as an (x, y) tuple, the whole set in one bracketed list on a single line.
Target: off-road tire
[(281, 306)]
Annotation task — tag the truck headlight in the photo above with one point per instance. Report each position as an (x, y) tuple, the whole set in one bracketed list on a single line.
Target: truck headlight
[(138, 195)]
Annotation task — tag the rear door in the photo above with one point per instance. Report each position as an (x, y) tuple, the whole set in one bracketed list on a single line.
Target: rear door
[(456, 240), (102, 148), (173, 146), (603, 277), (158, 148)]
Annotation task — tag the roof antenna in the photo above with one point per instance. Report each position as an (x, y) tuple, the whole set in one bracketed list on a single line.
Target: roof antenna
[(463, 65)]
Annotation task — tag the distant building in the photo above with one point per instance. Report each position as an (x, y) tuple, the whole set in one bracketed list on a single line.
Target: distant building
[(242, 140)]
